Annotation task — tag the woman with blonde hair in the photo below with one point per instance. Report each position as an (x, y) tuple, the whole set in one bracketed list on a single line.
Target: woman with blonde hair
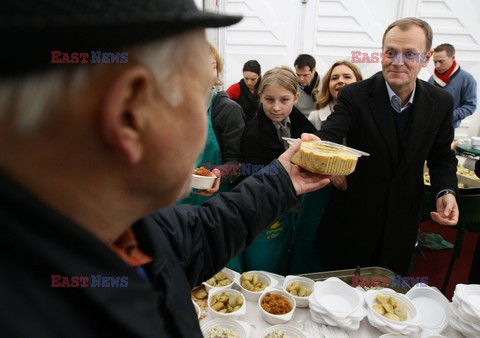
[(340, 74), (226, 122)]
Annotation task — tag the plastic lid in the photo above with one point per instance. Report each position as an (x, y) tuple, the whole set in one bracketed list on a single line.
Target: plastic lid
[(335, 147)]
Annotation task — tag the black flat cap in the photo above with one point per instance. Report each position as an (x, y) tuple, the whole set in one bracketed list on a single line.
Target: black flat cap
[(32, 29)]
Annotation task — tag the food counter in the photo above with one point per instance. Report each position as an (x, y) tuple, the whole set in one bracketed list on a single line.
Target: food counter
[(302, 319)]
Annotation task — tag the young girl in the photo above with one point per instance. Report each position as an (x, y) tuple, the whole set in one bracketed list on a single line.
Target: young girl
[(277, 117), (262, 143)]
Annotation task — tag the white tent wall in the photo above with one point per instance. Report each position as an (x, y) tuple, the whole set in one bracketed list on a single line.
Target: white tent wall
[(274, 32)]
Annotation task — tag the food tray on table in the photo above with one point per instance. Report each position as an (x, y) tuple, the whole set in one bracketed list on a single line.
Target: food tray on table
[(368, 277)]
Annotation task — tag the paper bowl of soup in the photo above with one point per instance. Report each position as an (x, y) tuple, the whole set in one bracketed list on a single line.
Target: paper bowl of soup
[(276, 306), (202, 179)]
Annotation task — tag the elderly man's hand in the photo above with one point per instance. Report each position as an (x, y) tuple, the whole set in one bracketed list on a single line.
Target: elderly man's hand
[(447, 210), (302, 180), (216, 185)]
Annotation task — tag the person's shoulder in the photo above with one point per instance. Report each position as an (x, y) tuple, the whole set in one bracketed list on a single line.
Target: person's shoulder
[(223, 99), (466, 75), (297, 117), (234, 90), (235, 86), (365, 86), (430, 88), (437, 94)]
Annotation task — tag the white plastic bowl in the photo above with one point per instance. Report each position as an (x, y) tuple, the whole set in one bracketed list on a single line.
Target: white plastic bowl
[(265, 278), (432, 305), (198, 310), (230, 274), (289, 330), (202, 182), (277, 319), (409, 326), (232, 315), (470, 296), (338, 298), (303, 281), (231, 324)]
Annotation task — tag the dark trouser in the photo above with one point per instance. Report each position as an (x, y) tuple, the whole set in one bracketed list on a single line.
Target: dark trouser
[(474, 277)]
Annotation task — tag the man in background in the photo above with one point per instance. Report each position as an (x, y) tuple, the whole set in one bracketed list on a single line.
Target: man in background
[(461, 84), (308, 83)]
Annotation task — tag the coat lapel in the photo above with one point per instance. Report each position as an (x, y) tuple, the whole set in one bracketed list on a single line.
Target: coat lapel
[(382, 113), (421, 113)]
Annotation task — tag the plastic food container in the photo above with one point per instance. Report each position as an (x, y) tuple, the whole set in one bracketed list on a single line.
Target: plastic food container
[(302, 301), (406, 327), (289, 330), (239, 327), (230, 275), (262, 276), (327, 158), (239, 300), (280, 318), (433, 306), (197, 310), (203, 182)]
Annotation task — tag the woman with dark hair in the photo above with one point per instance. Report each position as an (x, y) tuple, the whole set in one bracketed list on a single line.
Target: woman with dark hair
[(245, 92)]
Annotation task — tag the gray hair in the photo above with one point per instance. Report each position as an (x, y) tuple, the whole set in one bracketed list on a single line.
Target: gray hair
[(31, 99), (405, 24)]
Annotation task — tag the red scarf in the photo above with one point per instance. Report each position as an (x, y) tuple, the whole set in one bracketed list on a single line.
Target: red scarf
[(443, 79)]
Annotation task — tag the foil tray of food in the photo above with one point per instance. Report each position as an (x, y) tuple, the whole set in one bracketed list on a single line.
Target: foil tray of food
[(368, 278), (468, 182)]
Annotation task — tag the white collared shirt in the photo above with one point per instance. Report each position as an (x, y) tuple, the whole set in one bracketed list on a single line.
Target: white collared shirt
[(395, 100)]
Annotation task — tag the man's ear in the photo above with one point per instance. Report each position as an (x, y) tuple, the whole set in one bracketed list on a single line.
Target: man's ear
[(427, 58), (124, 112)]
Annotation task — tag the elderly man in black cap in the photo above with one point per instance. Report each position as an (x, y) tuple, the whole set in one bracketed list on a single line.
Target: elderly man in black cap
[(89, 150)]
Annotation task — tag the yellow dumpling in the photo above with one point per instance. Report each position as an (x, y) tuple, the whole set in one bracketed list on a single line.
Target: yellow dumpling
[(379, 308), (392, 316)]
